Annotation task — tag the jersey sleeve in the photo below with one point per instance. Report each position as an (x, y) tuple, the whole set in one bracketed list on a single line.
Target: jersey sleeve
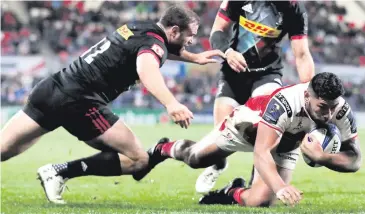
[(295, 19), (346, 123), (229, 11), (276, 115), (155, 47)]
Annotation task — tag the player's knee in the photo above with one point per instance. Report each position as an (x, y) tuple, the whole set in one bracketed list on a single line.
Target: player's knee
[(184, 146), (193, 161)]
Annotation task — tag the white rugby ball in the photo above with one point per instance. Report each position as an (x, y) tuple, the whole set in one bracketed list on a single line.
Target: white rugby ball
[(330, 139)]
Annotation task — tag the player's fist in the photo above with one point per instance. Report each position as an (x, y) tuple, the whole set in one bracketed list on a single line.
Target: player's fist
[(312, 149), (206, 57), (179, 113), (236, 61), (289, 195)]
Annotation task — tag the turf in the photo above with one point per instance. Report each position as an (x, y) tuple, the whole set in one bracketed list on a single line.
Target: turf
[(168, 189)]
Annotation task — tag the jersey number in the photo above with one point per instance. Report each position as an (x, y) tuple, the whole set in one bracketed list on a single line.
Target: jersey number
[(99, 48)]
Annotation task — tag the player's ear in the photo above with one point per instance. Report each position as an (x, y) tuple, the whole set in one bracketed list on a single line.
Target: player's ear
[(306, 95), (175, 31)]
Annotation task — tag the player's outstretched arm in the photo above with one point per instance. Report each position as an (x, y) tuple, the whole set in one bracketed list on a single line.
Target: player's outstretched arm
[(200, 58), (303, 59), (220, 35), (266, 141), (347, 160), (151, 77)]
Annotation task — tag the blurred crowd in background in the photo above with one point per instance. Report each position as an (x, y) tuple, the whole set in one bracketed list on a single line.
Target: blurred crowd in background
[(65, 29)]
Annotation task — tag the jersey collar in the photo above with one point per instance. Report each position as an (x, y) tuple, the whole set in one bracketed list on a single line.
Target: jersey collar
[(162, 33)]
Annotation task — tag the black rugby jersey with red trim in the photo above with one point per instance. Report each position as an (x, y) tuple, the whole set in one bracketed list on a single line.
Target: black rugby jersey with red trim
[(109, 67)]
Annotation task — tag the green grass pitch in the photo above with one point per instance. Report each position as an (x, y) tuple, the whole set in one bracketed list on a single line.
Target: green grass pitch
[(168, 189)]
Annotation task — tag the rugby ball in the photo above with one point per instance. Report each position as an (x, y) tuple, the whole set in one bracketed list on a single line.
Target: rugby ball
[(330, 139)]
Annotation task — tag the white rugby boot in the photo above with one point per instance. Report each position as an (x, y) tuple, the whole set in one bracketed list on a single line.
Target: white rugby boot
[(53, 184), (208, 178)]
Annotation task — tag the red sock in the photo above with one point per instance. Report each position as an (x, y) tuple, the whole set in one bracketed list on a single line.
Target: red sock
[(237, 195), (166, 149)]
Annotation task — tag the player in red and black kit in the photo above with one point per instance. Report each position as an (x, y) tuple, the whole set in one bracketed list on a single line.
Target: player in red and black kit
[(76, 98), (253, 64)]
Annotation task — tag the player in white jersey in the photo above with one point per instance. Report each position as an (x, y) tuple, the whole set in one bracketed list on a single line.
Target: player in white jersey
[(272, 127)]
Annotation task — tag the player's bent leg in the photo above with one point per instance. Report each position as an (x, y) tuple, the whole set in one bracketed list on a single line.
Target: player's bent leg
[(197, 155), (204, 153), (258, 195), (121, 151), (20, 133), (122, 140)]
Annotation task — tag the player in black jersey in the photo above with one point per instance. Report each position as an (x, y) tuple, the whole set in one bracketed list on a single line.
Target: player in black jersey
[(253, 64), (76, 98)]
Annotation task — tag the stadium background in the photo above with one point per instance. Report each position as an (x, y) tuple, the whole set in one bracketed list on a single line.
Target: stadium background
[(40, 37)]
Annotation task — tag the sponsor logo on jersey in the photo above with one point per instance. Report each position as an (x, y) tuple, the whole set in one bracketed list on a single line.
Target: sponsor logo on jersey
[(258, 28), (248, 8), (125, 32), (342, 111), (352, 121), (158, 50), (273, 112), (285, 103)]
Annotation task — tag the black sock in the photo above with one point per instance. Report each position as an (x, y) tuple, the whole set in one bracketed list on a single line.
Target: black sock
[(101, 164)]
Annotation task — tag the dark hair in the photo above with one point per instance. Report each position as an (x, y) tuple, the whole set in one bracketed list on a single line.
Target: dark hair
[(327, 86), (179, 16)]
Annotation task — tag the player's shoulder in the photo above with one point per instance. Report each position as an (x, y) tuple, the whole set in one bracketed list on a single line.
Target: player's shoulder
[(342, 110), (291, 97), (141, 33), (344, 119), (294, 90), (139, 37)]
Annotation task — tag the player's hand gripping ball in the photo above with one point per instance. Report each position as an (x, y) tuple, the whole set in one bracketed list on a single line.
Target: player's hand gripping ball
[(328, 138)]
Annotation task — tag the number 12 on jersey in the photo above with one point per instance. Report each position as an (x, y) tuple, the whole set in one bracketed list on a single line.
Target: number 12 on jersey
[(92, 52)]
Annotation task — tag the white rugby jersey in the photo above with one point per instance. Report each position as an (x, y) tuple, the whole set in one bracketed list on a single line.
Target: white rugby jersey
[(284, 110)]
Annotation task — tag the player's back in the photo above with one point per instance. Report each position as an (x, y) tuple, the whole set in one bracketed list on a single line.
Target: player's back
[(109, 67)]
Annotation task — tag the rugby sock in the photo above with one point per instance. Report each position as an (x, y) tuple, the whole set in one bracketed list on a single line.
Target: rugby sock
[(236, 194), (167, 149), (101, 164)]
